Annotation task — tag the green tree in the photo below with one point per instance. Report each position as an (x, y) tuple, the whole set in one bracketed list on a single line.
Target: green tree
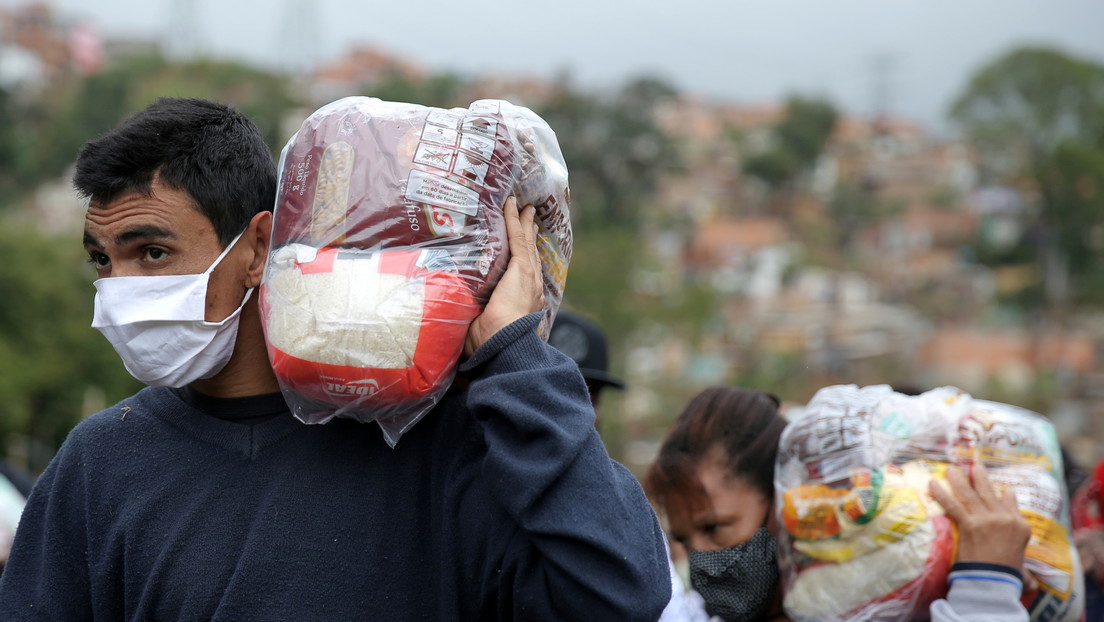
[(9, 149), (52, 364), (441, 90), (1037, 116), (806, 128), (798, 140), (1032, 99), (93, 105), (851, 210), (614, 147), (1071, 186), (776, 167)]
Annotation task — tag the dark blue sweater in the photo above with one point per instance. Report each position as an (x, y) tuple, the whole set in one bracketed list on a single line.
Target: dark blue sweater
[(500, 504)]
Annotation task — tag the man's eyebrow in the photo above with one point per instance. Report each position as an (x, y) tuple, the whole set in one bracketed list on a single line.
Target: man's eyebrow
[(145, 232), (91, 241)]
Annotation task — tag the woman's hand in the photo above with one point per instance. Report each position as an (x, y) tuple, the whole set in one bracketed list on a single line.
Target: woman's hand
[(990, 526)]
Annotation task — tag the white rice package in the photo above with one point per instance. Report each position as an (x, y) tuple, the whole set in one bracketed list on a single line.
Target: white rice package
[(388, 239)]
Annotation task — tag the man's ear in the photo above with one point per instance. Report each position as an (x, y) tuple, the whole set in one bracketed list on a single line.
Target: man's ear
[(259, 236)]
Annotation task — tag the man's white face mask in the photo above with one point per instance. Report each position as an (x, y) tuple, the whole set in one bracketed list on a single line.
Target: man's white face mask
[(156, 325)]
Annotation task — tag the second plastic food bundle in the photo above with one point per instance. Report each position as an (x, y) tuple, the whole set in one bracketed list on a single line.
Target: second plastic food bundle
[(862, 537)]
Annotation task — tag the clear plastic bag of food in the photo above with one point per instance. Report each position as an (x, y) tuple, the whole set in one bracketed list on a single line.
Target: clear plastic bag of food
[(861, 536), (387, 241)]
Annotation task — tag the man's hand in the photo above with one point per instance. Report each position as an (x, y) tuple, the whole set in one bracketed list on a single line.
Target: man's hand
[(990, 526), (521, 289)]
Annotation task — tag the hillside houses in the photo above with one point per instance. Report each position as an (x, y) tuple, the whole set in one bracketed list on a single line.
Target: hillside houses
[(861, 271), (36, 46), (901, 303), (356, 68)]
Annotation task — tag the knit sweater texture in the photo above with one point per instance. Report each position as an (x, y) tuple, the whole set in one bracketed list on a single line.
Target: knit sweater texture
[(500, 504)]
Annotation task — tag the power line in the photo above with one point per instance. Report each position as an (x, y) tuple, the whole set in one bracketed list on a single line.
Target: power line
[(883, 67)]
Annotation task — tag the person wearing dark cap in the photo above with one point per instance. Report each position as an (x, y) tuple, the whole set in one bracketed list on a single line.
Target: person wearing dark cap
[(585, 343)]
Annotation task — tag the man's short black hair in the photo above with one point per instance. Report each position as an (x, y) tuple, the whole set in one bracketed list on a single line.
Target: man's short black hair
[(208, 150)]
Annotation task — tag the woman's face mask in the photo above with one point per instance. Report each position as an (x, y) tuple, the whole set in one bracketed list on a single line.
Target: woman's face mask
[(732, 554), (737, 583)]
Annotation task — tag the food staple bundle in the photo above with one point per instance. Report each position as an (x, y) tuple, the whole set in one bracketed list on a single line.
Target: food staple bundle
[(862, 538), (388, 239)]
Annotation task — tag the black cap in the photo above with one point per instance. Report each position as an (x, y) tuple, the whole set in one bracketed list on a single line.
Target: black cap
[(584, 342)]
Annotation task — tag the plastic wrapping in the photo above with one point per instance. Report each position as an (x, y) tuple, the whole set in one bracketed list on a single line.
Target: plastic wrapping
[(388, 239), (861, 536)]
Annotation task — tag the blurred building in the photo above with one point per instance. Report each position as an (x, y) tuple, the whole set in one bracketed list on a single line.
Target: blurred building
[(38, 46), (356, 69)]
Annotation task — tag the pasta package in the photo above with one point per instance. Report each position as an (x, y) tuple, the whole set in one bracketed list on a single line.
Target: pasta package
[(863, 539), (388, 239)]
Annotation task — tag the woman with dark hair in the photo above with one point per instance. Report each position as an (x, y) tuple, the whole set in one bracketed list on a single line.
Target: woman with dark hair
[(713, 478)]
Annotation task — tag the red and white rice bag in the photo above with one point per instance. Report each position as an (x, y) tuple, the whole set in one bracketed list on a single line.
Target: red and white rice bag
[(388, 239), (862, 538)]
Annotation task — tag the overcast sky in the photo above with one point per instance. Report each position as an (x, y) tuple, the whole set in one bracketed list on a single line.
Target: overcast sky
[(917, 53)]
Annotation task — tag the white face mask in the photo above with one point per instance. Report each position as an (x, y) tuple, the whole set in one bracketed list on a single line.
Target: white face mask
[(156, 325)]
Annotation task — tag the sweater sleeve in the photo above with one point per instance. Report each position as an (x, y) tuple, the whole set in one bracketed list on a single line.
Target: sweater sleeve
[(590, 546), (981, 593), (46, 576)]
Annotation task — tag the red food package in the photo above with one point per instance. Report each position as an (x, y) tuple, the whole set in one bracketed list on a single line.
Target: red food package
[(388, 239)]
